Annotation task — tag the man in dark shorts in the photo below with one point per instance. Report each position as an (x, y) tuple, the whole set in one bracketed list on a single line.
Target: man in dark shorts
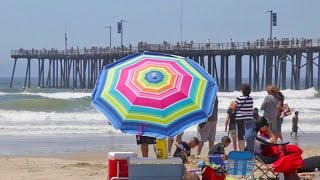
[(144, 141)]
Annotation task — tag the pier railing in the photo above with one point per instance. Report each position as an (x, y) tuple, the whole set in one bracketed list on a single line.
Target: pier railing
[(179, 46)]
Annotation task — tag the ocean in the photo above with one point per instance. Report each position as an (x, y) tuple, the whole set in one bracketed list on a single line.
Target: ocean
[(43, 120)]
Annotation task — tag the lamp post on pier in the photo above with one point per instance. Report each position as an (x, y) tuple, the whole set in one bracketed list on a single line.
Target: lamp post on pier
[(273, 21), (181, 20), (120, 30), (109, 27)]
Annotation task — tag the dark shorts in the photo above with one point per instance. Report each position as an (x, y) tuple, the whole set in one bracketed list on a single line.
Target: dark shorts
[(295, 128), (146, 140), (240, 128)]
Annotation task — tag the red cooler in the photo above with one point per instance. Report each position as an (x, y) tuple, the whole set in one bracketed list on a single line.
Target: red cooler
[(118, 164)]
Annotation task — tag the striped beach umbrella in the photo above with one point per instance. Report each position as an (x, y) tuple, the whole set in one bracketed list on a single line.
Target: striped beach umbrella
[(154, 94)]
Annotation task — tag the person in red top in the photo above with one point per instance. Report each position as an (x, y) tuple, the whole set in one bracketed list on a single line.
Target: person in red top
[(264, 134), (288, 160)]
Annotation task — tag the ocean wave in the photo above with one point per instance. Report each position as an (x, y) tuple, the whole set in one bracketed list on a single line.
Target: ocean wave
[(57, 130), (60, 95), (288, 93), (47, 105), (53, 123), (55, 95), (94, 122), (93, 117)]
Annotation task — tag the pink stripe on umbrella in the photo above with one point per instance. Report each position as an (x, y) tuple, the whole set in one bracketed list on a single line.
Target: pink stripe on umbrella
[(127, 75), (155, 103)]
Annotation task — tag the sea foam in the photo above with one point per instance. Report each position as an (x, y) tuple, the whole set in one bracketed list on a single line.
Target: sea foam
[(86, 121)]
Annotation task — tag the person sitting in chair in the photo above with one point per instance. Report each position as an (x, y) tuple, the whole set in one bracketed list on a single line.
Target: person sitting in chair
[(286, 157), (264, 136)]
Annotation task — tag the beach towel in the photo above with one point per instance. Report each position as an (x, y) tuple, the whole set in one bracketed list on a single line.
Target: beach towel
[(310, 164), (291, 161)]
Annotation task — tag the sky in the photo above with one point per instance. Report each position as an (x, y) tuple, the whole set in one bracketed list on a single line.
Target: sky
[(41, 23)]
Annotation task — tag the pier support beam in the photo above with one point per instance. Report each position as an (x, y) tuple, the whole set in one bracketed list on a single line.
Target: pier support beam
[(28, 73), (269, 59), (309, 67), (222, 68), (238, 71), (14, 69)]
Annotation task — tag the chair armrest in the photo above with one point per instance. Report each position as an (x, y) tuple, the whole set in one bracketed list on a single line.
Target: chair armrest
[(283, 143), (266, 143)]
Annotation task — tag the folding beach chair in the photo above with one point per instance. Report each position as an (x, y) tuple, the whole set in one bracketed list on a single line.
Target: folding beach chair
[(264, 164), (264, 168), (241, 163)]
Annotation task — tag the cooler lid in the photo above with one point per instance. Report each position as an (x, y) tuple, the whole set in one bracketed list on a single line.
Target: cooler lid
[(121, 155), (171, 160)]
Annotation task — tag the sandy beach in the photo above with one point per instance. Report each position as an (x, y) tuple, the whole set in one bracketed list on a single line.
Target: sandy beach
[(81, 165)]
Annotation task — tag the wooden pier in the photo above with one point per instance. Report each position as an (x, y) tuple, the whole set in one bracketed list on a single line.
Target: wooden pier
[(285, 63)]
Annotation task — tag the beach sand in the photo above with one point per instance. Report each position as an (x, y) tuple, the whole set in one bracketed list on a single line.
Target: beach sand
[(83, 165)]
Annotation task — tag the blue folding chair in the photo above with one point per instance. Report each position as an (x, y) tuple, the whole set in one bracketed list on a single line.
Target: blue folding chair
[(240, 163)]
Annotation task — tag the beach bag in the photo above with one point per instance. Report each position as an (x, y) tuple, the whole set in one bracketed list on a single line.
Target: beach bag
[(286, 110)]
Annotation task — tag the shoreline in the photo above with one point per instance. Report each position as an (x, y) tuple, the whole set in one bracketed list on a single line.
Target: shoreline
[(50, 145)]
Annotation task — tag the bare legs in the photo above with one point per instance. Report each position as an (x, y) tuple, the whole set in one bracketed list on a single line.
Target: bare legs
[(211, 143), (170, 142), (144, 149), (279, 135), (200, 146), (234, 143), (241, 145)]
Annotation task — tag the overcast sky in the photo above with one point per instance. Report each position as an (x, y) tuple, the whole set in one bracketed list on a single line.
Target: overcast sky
[(41, 23)]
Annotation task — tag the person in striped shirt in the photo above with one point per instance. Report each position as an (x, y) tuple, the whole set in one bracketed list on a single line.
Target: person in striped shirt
[(244, 118)]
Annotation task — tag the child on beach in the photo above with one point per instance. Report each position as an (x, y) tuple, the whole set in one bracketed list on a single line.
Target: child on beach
[(256, 115), (231, 123), (295, 120), (219, 148), (170, 142), (184, 149)]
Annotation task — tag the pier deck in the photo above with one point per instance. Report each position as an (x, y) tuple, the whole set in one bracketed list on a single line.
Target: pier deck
[(278, 62)]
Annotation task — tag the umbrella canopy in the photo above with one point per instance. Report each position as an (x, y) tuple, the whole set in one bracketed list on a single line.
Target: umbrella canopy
[(154, 94)]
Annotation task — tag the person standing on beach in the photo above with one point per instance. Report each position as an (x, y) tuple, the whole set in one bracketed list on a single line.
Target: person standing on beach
[(144, 142), (230, 125), (256, 115), (207, 131), (279, 122), (170, 142), (270, 105), (244, 119), (295, 120)]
